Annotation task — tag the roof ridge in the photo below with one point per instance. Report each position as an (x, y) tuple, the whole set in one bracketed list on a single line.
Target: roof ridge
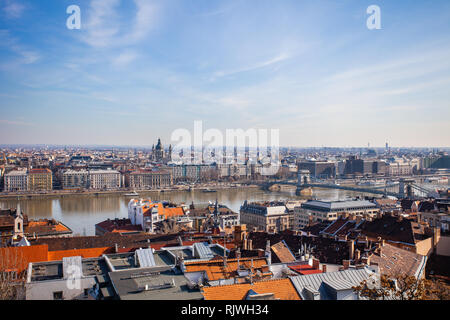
[(235, 284)]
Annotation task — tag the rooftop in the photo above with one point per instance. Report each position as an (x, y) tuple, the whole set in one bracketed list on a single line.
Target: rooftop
[(215, 269), (321, 282), (153, 284), (280, 289), (337, 205)]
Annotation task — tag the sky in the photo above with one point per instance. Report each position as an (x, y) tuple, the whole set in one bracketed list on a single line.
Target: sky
[(137, 70)]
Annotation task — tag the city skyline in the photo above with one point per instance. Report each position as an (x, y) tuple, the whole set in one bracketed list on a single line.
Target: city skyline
[(137, 70)]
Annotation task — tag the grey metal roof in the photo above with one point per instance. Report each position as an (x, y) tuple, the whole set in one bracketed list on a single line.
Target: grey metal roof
[(153, 284), (339, 285), (203, 251), (145, 257), (339, 280), (338, 205)]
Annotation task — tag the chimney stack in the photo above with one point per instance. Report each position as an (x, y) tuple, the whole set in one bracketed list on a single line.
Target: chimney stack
[(357, 255), (315, 263), (324, 268), (346, 264), (351, 249)]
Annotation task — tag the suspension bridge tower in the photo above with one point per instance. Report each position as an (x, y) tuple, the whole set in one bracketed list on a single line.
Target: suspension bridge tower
[(303, 179)]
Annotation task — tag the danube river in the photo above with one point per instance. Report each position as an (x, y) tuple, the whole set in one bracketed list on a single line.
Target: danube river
[(81, 213)]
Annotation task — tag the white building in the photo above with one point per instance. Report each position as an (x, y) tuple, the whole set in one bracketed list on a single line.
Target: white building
[(105, 179), (319, 211), (16, 181), (140, 212)]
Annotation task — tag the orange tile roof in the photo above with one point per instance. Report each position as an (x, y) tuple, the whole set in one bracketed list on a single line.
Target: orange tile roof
[(47, 224), (168, 211), (84, 253), (18, 258), (215, 269), (283, 289)]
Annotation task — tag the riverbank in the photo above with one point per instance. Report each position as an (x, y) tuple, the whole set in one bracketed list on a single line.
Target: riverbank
[(55, 194)]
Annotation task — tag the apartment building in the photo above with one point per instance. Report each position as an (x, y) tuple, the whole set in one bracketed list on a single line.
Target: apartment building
[(319, 211), (75, 179), (144, 179), (271, 217), (40, 180), (104, 179), (16, 181)]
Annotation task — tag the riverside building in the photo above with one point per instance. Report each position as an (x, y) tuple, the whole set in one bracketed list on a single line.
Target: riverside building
[(319, 211), (271, 217), (16, 181)]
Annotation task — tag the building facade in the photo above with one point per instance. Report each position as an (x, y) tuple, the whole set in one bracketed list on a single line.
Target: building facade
[(16, 181), (319, 211), (40, 180), (271, 217), (73, 179), (104, 179), (149, 179)]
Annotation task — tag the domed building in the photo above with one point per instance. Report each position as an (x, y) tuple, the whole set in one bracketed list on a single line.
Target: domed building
[(158, 153)]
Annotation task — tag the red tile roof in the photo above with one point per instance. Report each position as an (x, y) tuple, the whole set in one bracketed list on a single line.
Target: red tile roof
[(304, 269)]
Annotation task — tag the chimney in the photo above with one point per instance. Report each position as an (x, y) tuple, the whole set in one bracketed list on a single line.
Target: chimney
[(357, 255), (346, 264), (366, 260), (116, 247), (324, 268), (315, 264), (351, 249)]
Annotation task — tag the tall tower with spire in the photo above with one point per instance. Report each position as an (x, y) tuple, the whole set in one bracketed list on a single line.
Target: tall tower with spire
[(159, 152)]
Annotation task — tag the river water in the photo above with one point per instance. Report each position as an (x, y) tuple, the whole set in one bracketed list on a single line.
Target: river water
[(81, 213)]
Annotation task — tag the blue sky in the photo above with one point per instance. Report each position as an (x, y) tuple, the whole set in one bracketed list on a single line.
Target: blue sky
[(139, 69)]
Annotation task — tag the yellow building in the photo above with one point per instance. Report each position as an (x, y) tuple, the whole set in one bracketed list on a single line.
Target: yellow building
[(40, 180)]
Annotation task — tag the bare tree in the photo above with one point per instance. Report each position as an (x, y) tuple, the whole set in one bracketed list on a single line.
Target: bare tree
[(394, 287), (437, 290)]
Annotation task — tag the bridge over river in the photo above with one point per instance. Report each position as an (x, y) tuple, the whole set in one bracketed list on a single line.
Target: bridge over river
[(402, 188)]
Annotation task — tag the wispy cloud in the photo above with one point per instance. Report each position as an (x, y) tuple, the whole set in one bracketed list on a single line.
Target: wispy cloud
[(13, 9), (124, 58), (24, 55), (279, 58), (104, 27), (16, 123)]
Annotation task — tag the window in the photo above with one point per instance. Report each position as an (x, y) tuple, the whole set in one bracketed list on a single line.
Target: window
[(58, 295)]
